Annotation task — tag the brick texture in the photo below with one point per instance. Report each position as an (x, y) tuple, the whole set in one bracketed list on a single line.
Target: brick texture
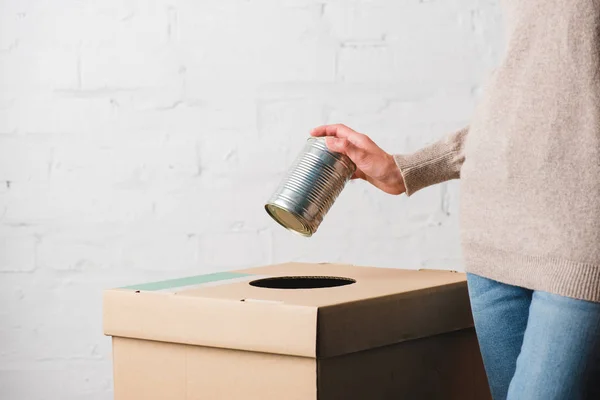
[(140, 139)]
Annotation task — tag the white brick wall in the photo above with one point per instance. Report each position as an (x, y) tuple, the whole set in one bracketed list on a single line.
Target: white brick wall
[(139, 140)]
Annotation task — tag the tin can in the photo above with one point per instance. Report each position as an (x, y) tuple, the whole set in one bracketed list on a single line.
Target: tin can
[(310, 188)]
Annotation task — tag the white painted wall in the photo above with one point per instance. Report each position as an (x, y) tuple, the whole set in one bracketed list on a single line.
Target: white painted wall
[(139, 140)]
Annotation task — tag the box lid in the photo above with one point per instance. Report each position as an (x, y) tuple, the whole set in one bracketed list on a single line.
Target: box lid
[(370, 307)]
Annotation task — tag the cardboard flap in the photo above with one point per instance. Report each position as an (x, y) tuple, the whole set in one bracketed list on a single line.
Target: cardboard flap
[(168, 317), (377, 322)]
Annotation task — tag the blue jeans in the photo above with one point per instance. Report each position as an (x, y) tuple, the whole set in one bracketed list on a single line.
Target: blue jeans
[(536, 345)]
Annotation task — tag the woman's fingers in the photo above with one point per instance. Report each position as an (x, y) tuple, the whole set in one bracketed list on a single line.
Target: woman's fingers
[(337, 130), (373, 164), (341, 139), (345, 146)]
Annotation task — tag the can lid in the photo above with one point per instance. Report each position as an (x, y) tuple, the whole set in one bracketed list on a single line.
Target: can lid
[(288, 219)]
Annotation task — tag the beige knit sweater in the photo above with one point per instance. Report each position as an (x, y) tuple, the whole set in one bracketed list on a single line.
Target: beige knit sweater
[(529, 162)]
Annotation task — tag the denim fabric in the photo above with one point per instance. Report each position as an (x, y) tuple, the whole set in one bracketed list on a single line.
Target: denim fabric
[(536, 345)]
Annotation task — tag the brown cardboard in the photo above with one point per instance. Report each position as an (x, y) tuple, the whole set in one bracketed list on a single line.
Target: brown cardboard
[(392, 334)]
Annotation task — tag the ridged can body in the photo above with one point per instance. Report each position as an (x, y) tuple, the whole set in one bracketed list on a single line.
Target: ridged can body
[(310, 188)]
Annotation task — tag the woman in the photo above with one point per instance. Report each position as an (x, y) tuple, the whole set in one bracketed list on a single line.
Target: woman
[(530, 204)]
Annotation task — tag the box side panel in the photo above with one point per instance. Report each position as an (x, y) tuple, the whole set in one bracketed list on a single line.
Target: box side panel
[(151, 370), (445, 367), (240, 375), (148, 370)]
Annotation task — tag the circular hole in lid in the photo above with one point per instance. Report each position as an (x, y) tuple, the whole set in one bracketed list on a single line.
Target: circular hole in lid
[(302, 282)]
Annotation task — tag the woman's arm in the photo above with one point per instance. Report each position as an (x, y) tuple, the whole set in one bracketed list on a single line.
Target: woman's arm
[(436, 163), (401, 173)]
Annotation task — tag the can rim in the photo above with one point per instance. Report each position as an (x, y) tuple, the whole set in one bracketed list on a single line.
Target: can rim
[(306, 232)]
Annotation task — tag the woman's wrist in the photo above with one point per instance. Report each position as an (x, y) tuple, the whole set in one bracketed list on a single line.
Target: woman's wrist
[(393, 177)]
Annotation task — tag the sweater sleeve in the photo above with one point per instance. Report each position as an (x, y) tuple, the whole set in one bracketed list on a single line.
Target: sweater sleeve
[(436, 163)]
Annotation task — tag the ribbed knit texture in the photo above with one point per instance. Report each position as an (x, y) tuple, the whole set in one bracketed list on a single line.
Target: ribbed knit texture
[(530, 160), (437, 163)]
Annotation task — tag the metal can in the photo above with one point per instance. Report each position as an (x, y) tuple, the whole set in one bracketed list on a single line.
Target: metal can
[(310, 188)]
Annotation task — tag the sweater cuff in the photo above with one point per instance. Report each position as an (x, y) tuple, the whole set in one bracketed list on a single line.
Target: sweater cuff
[(439, 162)]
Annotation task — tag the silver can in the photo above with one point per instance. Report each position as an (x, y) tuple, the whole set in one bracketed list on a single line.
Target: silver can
[(310, 188)]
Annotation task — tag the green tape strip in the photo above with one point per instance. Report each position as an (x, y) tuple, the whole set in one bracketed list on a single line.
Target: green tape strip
[(189, 281)]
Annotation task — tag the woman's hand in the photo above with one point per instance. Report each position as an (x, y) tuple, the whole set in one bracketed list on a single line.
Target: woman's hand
[(373, 164)]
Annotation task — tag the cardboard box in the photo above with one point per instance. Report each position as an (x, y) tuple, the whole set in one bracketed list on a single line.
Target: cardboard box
[(275, 333)]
